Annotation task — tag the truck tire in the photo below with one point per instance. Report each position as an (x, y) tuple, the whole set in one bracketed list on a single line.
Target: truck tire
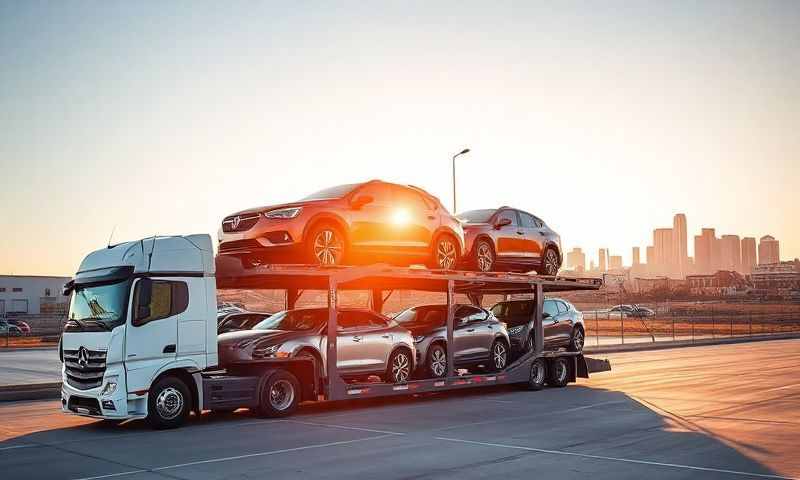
[(538, 375), (169, 403), (559, 372), (279, 395)]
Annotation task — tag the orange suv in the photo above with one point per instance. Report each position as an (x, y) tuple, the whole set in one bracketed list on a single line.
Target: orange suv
[(364, 222)]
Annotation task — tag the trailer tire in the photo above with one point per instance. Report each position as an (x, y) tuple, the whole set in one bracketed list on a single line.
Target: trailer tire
[(169, 403), (559, 372), (279, 395), (538, 375)]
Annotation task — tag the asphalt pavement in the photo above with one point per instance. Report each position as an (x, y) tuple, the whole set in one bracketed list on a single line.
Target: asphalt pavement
[(724, 411)]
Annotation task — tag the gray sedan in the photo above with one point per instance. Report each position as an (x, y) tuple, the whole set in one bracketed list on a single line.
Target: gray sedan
[(480, 339), (367, 343)]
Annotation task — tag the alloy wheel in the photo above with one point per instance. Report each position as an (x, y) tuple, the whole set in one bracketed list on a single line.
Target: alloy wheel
[(578, 340), (328, 247), (281, 395), (537, 373), (401, 367), (439, 362), (551, 265), (169, 403), (445, 254), (499, 355), (485, 257)]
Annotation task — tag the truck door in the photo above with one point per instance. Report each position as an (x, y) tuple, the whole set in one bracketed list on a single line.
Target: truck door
[(151, 337)]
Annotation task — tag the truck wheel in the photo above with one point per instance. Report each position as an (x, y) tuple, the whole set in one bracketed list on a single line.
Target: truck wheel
[(559, 372), (436, 363), (538, 375), (280, 395), (168, 403)]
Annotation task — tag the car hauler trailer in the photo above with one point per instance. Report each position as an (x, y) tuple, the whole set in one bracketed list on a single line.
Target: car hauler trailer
[(164, 366)]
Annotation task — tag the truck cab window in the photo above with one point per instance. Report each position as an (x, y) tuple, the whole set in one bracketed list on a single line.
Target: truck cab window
[(168, 298)]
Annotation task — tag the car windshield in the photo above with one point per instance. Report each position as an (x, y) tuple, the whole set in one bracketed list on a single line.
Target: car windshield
[(102, 304), (476, 216), (294, 320), (514, 313), (332, 192), (432, 315)]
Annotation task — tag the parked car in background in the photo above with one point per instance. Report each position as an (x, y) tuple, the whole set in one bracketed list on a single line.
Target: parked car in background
[(479, 338), (636, 311), (563, 324), (506, 238), (371, 221), (9, 330), (24, 328), (367, 343), (240, 321)]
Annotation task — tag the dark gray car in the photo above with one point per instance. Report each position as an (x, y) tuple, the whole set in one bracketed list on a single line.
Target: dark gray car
[(480, 339), (562, 323)]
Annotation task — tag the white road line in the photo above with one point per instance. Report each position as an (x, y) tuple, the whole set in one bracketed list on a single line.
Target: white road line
[(346, 427), (618, 459), (508, 419), (237, 457), (12, 447)]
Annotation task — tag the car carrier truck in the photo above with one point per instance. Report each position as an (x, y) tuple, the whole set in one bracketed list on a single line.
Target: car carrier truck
[(140, 341)]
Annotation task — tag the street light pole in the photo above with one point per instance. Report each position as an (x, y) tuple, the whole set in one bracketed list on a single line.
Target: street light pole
[(462, 152)]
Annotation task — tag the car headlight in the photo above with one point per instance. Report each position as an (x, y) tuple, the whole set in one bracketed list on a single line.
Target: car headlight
[(284, 213), (245, 343), (516, 330), (263, 352), (111, 386), (419, 338)]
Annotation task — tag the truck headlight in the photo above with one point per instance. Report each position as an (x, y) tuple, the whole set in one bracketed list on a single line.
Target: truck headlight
[(111, 386), (284, 213)]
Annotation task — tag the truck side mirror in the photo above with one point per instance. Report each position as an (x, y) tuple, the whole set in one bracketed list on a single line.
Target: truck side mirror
[(144, 297)]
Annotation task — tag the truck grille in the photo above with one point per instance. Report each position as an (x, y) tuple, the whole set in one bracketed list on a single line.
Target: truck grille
[(239, 223), (86, 372)]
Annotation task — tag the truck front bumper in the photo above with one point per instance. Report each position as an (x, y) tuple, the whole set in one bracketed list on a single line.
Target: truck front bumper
[(103, 401)]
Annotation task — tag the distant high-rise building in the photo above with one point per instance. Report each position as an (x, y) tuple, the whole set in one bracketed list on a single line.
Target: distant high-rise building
[(576, 259), (602, 258), (635, 259), (716, 255), (662, 249), (768, 250), (680, 251), (748, 254), (615, 262), (731, 253), (591, 265), (703, 251), (650, 255)]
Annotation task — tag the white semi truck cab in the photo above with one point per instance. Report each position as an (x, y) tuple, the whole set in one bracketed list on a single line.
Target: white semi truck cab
[(140, 340)]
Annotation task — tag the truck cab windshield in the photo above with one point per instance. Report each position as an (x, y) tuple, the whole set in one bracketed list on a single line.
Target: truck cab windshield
[(98, 307)]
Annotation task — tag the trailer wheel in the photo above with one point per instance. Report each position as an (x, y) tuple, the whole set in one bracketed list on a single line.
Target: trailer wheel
[(168, 404), (559, 372), (538, 375), (279, 395)]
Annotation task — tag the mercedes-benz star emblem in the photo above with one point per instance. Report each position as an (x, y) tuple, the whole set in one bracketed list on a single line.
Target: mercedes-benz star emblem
[(236, 221), (83, 357)]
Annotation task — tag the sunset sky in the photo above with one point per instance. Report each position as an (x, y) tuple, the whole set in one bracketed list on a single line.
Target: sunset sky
[(603, 118)]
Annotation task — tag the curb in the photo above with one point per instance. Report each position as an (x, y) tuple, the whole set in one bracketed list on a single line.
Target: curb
[(33, 391), (633, 347), (28, 349)]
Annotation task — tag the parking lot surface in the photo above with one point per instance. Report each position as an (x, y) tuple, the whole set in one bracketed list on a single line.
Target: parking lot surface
[(725, 411)]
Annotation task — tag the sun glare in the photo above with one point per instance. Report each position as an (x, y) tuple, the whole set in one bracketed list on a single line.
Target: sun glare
[(400, 217)]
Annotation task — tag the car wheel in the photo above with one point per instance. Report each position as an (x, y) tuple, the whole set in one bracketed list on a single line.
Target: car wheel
[(484, 256), (577, 340), (559, 372), (530, 343), (169, 403), (326, 246), (279, 395), (436, 363), (445, 253), (538, 375), (498, 355), (399, 368), (550, 263)]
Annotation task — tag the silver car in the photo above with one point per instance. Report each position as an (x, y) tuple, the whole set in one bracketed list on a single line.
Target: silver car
[(367, 343), (480, 339)]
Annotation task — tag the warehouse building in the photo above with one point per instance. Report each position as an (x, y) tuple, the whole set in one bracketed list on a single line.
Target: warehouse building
[(32, 295)]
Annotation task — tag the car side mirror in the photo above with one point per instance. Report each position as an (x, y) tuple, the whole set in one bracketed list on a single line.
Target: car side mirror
[(502, 223), (361, 200), (545, 315)]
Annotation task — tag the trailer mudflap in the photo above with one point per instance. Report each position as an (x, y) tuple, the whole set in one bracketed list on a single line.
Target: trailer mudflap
[(587, 365), (224, 392)]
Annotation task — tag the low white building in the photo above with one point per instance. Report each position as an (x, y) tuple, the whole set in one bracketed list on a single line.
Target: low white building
[(33, 295)]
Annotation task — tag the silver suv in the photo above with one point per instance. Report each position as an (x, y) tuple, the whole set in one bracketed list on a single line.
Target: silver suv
[(480, 339), (367, 343)]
